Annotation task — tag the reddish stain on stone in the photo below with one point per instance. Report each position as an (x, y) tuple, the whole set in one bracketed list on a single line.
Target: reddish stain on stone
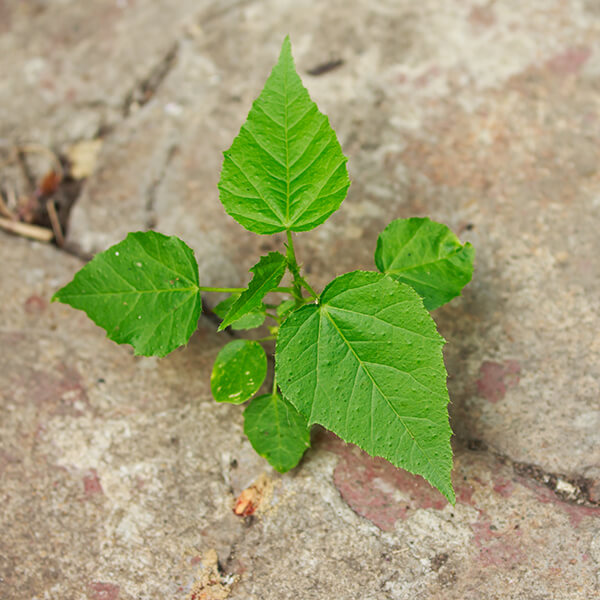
[(371, 487), (482, 16), (497, 548), (35, 305), (91, 484), (464, 494), (594, 491), (7, 459), (103, 591), (569, 61), (5, 17), (495, 378), (425, 78), (57, 391), (504, 487)]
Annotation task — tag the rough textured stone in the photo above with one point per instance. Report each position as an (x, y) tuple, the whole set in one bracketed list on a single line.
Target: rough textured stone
[(119, 474), (459, 114)]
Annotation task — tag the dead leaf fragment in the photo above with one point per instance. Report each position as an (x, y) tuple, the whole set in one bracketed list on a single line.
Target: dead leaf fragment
[(83, 157), (49, 183), (250, 500)]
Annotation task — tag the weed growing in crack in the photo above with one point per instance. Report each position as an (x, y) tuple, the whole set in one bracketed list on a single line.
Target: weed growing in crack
[(362, 357)]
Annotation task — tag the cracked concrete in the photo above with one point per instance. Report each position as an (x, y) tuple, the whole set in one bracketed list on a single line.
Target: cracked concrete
[(119, 473)]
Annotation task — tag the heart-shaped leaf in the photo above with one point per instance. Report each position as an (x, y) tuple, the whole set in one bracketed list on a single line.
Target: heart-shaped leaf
[(366, 362), (285, 170), (143, 291)]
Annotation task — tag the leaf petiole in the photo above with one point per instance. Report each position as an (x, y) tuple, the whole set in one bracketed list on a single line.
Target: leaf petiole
[(231, 290), (273, 316), (298, 281)]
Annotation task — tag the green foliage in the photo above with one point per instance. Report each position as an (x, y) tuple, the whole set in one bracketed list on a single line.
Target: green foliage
[(363, 358), (427, 256), (366, 362), (267, 274), (143, 291), (239, 370), (285, 171), (277, 431), (251, 320)]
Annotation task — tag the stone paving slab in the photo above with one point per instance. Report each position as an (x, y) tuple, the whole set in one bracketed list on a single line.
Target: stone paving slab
[(482, 120), (119, 474), (61, 82)]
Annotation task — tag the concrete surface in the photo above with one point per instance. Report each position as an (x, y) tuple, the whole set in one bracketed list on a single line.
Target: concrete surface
[(119, 474)]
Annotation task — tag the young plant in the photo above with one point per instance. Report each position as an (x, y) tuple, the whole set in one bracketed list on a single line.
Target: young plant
[(363, 357)]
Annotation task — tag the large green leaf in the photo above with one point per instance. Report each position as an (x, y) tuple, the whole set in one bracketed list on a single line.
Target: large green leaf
[(285, 170), (268, 272), (366, 362), (277, 431), (427, 256), (143, 291), (239, 371)]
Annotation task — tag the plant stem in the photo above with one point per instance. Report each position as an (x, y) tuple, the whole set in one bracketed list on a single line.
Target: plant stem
[(232, 290), (275, 316), (266, 339), (298, 281), (274, 384)]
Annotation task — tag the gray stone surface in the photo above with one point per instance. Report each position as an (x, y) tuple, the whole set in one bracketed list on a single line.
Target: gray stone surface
[(469, 115), (119, 474)]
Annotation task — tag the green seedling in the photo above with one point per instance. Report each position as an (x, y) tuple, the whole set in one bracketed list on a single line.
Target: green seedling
[(362, 358)]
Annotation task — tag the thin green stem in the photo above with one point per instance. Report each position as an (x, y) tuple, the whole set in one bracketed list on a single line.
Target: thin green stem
[(275, 316), (298, 281), (268, 338), (232, 290), (294, 269), (274, 384), (308, 288)]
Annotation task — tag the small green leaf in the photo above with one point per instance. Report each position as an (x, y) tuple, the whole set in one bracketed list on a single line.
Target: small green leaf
[(427, 256), (143, 291), (250, 320), (268, 272), (285, 170), (239, 371), (277, 431), (366, 362)]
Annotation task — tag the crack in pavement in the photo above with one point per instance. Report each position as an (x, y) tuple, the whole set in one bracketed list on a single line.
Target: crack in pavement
[(573, 489), (151, 218), (144, 90)]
